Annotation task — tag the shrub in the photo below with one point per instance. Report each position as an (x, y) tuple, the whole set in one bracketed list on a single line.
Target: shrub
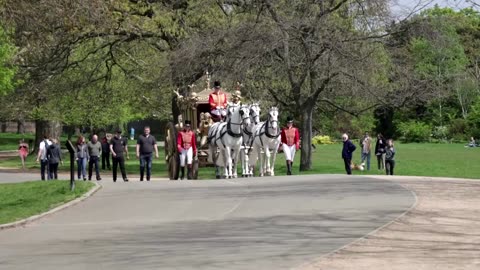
[(321, 140), (440, 132), (457, 129), (413, 131)]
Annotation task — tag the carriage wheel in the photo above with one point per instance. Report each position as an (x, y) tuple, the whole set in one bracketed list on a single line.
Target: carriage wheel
[(171, 152), (195, 169)]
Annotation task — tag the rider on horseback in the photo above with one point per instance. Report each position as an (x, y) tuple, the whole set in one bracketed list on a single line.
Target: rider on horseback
[(218, 102)]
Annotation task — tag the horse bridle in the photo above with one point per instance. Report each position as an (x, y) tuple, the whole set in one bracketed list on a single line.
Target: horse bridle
[(229, 123), (269, 120)]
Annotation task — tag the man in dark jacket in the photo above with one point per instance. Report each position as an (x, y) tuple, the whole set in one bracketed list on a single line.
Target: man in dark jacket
[(348, 148), (54, 155), (106, 151)]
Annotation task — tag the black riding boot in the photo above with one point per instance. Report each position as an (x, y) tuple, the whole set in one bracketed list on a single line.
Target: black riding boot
[(182, 173), (189, 173), (289, 167)]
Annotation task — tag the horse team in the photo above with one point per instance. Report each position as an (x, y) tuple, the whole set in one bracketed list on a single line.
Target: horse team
[(242, 136)]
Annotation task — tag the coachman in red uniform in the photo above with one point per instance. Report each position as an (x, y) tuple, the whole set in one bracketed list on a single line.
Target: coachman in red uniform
[(187, 147), (218, 101), (290, 143)]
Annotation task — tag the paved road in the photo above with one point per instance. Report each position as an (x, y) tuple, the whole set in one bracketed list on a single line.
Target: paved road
[(268, 223)]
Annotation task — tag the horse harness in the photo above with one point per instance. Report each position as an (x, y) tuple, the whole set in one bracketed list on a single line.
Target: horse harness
[(228, 130), (265, 127)]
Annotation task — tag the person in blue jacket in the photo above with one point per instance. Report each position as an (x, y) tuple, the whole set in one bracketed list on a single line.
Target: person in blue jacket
[(348, 148)]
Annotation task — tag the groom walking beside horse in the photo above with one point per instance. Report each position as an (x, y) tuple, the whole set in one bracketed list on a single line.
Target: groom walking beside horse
[(290, 143)]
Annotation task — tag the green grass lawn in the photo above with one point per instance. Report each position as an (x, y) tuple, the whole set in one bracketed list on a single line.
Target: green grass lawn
[(22, 200), (422, 159)]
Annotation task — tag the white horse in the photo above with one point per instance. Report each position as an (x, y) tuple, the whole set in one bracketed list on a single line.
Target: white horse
[(266, 137), (227, 137), (247, 169)]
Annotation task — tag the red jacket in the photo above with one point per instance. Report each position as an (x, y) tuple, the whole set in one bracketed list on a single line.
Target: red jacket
[(185, 140), (291, 137), (217, 100)]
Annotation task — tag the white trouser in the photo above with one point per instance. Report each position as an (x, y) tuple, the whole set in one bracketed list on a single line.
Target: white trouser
[(289, 151), (186, 154), (219, 112)]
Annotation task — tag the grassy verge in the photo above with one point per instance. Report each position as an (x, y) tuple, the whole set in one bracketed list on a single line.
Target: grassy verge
[(22, 200)]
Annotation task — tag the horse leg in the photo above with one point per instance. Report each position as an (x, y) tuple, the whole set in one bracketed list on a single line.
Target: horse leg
[(262, 162), (274, 158), (252, 159), (242, 161), (236, 156), (247, 167), (267, 161), (228, 162)]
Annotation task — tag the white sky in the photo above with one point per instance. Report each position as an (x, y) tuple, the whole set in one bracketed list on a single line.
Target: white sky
[(401, 8)]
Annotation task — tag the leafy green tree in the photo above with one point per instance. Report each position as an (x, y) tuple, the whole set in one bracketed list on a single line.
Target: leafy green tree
[(7, 69)]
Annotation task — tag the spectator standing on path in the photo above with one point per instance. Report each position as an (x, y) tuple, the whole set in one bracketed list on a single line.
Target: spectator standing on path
[(347, 151), (186, 144), (106, 151), (366, 149), (54, 155), (146, 144), (82, 158), (290, 140), (94, 152), (118, 145), (380, 151), (42, 157), (389, 157), (23, 152)]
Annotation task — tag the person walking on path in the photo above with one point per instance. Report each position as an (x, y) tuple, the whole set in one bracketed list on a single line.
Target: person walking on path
[(389, 157), (106, 151), (146, 144), (94, 152), (82, 158), (347, 151), (366, 149), (54, 155), (42, 157), (23, 152), (380, 151), (290, 140), (118, 146), (186, 144)]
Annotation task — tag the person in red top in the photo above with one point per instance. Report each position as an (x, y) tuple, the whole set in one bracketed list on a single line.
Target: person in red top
[(290, 143), (187, 147), (218, 101)]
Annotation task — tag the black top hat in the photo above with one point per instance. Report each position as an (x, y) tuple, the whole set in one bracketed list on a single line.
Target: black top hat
[(187, 122), (289, 119), (216, 84)]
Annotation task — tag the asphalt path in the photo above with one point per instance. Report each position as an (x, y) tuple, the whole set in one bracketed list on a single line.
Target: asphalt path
[(260, 223)]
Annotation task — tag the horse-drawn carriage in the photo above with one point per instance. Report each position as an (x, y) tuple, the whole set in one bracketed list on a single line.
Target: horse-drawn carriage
[(195, 108), (223, 144)]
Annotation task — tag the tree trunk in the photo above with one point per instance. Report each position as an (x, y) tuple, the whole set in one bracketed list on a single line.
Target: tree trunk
[(306, 143), (21, 126), (50, 129)]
